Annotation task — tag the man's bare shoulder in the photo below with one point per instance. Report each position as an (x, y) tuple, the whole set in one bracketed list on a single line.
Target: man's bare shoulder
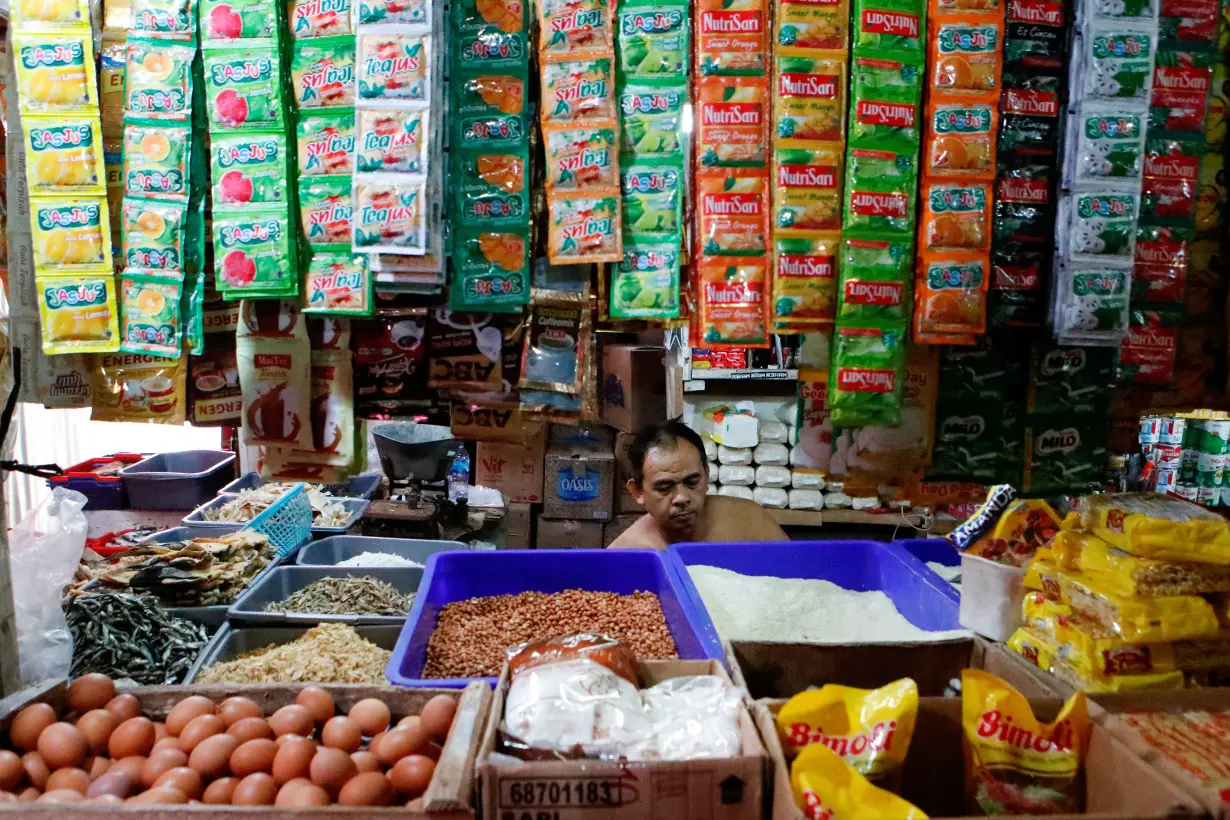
[(738, 519), (644, 534)]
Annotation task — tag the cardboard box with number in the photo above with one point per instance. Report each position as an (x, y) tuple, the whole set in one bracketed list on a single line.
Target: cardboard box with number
[(721, 788)]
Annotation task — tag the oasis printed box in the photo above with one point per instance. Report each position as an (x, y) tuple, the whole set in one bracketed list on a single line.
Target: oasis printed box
[(577, 482)]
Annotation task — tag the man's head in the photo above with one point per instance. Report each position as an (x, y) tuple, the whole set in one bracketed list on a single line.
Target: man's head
[(670, 476)]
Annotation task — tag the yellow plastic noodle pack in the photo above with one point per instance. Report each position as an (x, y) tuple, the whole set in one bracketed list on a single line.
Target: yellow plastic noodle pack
[(1139, 620), (140, 387), (77, 312), (826, 787), (1129, 576), (70, 233), (64, 154), (55, 72), (1039, 650), (32, 15), (869, 728), (1016, 764), (1068, 664), (1149, 525)]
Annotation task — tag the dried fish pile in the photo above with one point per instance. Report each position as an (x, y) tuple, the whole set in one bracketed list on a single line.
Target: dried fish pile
[(329, 653), (128, 636), (358, 595), (250, 503), (200, 572)]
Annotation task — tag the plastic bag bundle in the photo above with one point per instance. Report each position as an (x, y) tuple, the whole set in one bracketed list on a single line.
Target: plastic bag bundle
[(771, 454), (773, 497), (772, 476), (734, 455), (837, 500), (743, 475), (736, 491), (806, 500), (803, 479)]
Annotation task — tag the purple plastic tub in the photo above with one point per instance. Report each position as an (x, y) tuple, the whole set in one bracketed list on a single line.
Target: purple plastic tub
[(456, 576), (918, 593)]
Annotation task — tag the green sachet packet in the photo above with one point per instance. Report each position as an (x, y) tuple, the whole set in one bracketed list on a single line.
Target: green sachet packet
[(645, 284), (652, 196), (247, 166), (866, 381), (243, 86), (253, 251)]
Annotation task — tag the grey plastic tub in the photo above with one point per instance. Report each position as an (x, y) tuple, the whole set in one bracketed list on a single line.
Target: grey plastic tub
[(335, 549), (278, 584), (233, 641), (364, 485), (354, 506), (177, 481)]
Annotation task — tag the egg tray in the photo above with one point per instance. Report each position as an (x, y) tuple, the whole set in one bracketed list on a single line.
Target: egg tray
[(449, 797)]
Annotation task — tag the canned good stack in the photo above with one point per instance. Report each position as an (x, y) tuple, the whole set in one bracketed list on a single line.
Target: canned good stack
[(1206, 443), (1161, 443)]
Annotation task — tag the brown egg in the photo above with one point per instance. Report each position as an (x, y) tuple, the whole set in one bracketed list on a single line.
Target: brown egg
[(61, 796), (186, 711), (342, 733), (220, 791), (97, 726), (331, 768), (160, 731), (131, 765), (29, 724), (253, 756), (237, 708), (160, 762), (117, 783), (133, 737), (212, 756), (398, 743), (125, 707), (293, 760), (302, 794), (164, 795), (255, 790), (365, 762), (75, 779), (198, 729), (371, 715), (11, 771), (89, 692), (36, 769), (317, 701), (29, 795), (250, 728), (96, 766), (62, 745), (409, 722), (432, 750), (293, 719), (374, 744), (368, 789), (412, 775), (167, 742), (288, 738), (184, 780), (438, 716)]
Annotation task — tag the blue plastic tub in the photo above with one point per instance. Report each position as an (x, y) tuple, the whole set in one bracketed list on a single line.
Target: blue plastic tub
[(364, 485), (918, 593), (456, 576), (101, 492), (177, 481)]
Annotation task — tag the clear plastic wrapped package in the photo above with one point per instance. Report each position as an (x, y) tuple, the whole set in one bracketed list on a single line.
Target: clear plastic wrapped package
[(693, 717)]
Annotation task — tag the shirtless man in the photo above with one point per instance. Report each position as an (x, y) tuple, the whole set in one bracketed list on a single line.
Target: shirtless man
[(669, 479)]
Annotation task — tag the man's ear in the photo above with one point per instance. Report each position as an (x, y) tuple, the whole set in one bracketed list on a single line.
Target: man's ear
[(634, 490)]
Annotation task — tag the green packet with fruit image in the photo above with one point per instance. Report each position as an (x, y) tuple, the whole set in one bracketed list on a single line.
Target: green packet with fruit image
[(337, 283), (325, 211), (651, 40), (253, 252), (645, 284), (243, 86), (867, 376), (149, 314), (156, 158), (248, 167), (492, 188), (880, 189), (152, 235), (652, 196), (223, 20), (885, 95), (491, 268), (650, 113), (875, 280)]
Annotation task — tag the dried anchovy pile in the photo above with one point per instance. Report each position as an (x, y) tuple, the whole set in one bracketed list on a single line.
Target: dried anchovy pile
[(250, 503), (128, 636), (329, 653), (200, 572), (358, 595)]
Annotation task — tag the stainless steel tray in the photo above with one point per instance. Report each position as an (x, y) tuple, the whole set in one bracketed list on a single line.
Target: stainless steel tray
[(282, 581), (233, 641)]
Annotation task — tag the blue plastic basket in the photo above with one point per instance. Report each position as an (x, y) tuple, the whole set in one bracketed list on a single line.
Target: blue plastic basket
[(456, 576), (926, 600), (287, 522)]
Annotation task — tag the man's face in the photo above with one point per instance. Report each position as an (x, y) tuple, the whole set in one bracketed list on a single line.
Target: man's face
[(673, 489)]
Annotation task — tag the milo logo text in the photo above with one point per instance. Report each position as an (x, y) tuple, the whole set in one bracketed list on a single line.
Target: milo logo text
[(248, 153), (892, 23), (1064, 359), (645, 22), (866, 380), (250, 233), (72, 217), (52, 55), (873, 294), (60, 136), (1053, 442), (242, 71), (967, 428), (85, 293)]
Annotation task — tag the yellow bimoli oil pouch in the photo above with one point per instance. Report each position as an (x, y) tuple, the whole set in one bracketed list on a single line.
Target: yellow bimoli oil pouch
[(825, 786)]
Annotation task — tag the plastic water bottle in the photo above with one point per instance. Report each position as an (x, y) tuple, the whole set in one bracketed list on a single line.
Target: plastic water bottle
[(459, 476)]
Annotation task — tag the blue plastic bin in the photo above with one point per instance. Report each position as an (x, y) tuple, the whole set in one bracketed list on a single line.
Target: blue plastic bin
[(939, 550), (365, 485), (456, 576), (919, 594), (101, 492), (177, 481)]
